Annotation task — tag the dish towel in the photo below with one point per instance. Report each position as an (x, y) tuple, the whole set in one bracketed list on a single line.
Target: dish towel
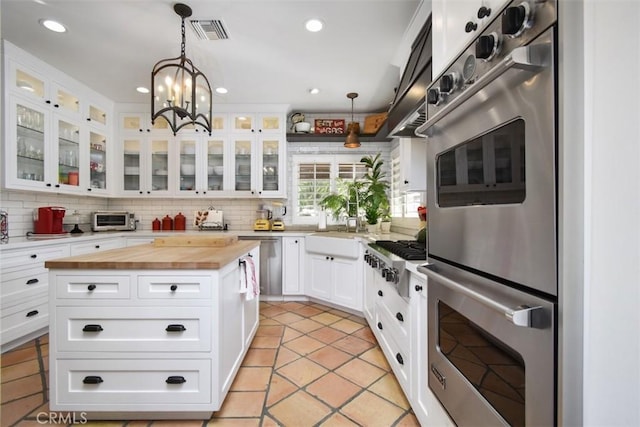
[(248, 283)]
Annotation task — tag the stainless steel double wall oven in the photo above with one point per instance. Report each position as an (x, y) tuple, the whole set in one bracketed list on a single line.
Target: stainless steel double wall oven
[(492, 244)]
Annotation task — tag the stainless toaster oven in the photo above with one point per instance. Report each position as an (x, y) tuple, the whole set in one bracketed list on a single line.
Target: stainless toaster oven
[(113, 221)]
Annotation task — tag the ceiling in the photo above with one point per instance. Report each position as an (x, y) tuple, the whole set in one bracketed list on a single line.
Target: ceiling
[(269, 57)]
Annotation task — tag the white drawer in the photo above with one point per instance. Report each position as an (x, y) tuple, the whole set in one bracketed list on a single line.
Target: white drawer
[(34, 257), (397, 308), (133, 329), (95, 246), (82, 286), (391, 327), (397, 354), (102, 384), (174, 287), (13, 287), (24, 318), (22, 297)]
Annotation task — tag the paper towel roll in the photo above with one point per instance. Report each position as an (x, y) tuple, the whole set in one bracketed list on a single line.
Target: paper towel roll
[(322, 220)]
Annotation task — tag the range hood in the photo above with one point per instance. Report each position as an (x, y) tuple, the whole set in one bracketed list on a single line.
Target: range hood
[(408, 110)]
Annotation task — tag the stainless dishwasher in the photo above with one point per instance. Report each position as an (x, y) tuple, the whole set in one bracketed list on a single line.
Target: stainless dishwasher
[(270, 264)]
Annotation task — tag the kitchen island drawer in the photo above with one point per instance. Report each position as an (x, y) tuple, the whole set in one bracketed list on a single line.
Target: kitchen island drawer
[(82, 286), (174, 287), (122, 385), (133, 329), (12, 259), (22, 319)]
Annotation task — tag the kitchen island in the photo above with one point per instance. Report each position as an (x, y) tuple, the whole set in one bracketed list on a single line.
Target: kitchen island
[(150, 331)]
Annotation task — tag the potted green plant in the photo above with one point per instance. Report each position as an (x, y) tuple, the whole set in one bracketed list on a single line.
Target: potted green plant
[(346, 201), (385, 223), (375, 201)]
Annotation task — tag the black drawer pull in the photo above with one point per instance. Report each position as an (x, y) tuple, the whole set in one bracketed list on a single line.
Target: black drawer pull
[(175, 328), (32, 281), (174, 287), (32, 313), (418, 288), (399, 359), (91, 287), (380, 325), (97, 246), (400, 317), (176, 379), (92, 379), (380, 293), (34, 256), (92, 328)]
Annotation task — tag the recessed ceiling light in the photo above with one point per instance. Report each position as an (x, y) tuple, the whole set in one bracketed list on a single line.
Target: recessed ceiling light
[(314, 91), (52, 25), (142, 89), (314, 25), (221, 90)]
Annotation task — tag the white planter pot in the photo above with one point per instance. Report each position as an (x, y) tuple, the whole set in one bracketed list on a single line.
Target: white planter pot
[(372, 228), (385, 227)]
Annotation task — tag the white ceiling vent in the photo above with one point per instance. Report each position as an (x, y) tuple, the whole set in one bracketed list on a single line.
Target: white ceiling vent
[(212, 29)]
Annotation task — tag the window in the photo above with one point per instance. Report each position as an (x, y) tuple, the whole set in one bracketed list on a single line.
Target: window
[(314, 177), (403, 205)]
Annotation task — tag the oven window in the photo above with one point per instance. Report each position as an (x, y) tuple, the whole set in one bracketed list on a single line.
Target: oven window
[(495, 370), (111, 220), (487, 170)]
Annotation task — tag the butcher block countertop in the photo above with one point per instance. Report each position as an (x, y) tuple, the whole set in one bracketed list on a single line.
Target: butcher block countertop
[(151, 257)]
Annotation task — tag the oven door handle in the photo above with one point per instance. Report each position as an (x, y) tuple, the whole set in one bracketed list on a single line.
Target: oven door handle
[(532, 58), (522, 315)]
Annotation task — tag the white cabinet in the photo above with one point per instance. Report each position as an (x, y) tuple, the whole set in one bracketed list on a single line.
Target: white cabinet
[(455, 24), (203, 166), (412, 165), (57, 135), (257, 123), (146, 166), (96, 246), (335, 279), (258, 165), (292, 265), (24, 293)]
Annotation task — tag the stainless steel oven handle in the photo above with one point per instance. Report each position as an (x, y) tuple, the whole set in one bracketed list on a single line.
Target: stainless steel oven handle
[(520, 316), (527, 58)]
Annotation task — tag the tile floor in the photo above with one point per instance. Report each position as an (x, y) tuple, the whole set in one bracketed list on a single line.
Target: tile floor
[(309, 365)]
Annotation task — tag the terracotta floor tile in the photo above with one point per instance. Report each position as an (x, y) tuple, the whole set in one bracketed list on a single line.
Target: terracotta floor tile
[(329, 357), (157, 423), (389, 388), (21, 387), (265, 342), (260, 357), (242, 404), (302, 372), (279, 388), (304, 345), (270, 331), (251, 379), (338, 420), (306, 325), (16, 409), (353, 345), (326, 318), (44, 421), (272, 311), (409, 420), (299, 409), (360, 372), (375, 356), (347, 326), (232, 422), (369, 410), (339, 313), (365, 334), (327, 334), (269, 322), (290, 334), (286, 318), (285, 356), (358, 319), (269, 422), (333, 390), (308, 311), (19, 370), (19, 355), (292, 305)]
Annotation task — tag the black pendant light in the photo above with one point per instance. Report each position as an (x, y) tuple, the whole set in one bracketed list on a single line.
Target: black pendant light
[(180, 93), (353, 129)]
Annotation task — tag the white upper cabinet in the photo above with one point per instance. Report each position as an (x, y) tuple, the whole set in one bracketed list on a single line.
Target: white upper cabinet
[(455, 24), (202, 169), (260, 123)]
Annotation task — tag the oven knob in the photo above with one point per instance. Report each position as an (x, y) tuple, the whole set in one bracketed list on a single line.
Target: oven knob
[(516, 19), (448, 83), (433, 96), (487, 46), (366, 258), (385, 271)]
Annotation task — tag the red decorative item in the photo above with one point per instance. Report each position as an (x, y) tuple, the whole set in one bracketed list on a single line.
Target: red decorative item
[(180, 222), (422, 213), (329, 126), (167, 223), (156, 224)]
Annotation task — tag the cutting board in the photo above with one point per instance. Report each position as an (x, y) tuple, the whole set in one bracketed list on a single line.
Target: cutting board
[(202, 241)]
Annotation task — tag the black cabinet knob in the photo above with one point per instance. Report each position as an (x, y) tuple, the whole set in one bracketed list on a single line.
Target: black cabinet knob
[(380, 325), (418, 288), (91, 287), (175, 328), (92, 328), (514, 20), (400, 317), (173, 287), (399, 358), (48, 184), (57, 185), (176, 379), (92, 379), (380, 293), (97, 246), (470, 26), (33, 256), (484, 12)]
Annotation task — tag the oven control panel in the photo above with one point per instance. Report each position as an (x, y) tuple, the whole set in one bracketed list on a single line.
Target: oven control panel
[(518, 24)]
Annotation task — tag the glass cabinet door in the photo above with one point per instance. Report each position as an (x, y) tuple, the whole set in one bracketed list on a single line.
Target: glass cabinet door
[(218, 123), (132, 165), (159, 165), (68, 153), (188, 164), (243, 162), (215, 165), (97, 115), (242, 123), (29, 84), (66, 101), (270, 123), (97, 161), (270, 164), (30, 143)]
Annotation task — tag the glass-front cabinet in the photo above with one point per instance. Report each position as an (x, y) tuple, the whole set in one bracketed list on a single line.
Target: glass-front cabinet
[(257, 123), (243, 164), (271, 167), (68, 153), (97, 161), (26, 146), (146, 166), (258, 165), (202, 165)]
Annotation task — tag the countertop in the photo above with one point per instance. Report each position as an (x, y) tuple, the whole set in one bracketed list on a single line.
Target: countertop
[(148, 257)]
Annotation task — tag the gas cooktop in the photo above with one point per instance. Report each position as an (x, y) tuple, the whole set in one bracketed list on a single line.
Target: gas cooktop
[(409, 250)]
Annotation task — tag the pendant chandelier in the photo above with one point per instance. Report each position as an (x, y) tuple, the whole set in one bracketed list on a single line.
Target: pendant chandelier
[(180, 93), (353, 129)]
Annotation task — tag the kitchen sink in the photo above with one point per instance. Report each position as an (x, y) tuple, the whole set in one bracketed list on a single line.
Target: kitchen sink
[(337, 244)]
